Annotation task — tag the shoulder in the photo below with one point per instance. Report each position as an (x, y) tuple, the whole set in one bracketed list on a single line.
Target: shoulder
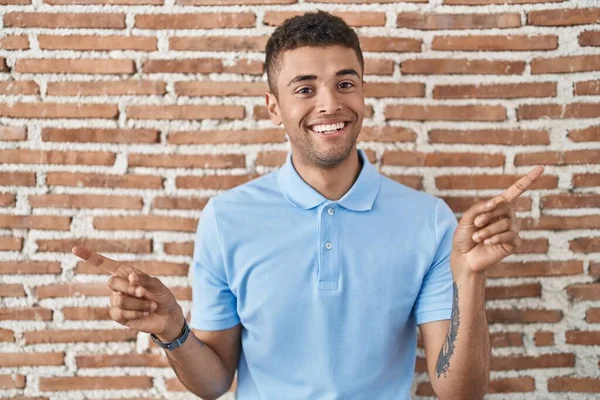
[(258, 192)]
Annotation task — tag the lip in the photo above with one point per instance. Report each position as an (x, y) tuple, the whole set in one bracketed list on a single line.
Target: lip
[(332, 135)]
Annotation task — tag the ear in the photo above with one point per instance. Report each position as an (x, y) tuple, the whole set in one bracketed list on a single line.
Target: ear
[(273, 108)]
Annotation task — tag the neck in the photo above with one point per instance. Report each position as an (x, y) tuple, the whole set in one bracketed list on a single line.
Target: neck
[(332, 183)]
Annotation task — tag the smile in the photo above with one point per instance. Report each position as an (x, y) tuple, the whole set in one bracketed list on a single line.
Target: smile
[(331, 130)]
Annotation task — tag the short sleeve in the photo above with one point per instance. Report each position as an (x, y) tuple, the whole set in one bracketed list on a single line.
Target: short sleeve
[(434, 301), (213, 303)]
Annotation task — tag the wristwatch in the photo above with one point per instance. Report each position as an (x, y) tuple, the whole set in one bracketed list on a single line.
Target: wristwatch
[(185, 331)]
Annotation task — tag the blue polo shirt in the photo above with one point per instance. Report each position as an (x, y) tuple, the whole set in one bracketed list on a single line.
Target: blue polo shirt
[(329, 293)]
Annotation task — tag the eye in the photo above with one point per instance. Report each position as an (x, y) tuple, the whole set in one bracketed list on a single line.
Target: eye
[(350, 84), (303, 92)]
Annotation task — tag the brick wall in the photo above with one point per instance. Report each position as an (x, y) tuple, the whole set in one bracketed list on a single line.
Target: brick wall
[(119, 118)]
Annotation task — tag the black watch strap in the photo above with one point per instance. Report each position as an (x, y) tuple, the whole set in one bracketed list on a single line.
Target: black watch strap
[(185, 331)]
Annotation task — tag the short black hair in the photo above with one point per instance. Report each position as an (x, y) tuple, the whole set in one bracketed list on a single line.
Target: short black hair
[(318, 29)]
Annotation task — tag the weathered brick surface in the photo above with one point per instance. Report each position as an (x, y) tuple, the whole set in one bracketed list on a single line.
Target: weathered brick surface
[(119, 119)]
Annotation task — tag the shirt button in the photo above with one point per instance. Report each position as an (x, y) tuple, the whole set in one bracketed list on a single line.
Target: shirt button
[(328, 245), (330, 211)]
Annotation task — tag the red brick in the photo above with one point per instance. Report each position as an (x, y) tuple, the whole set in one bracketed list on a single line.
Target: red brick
[(379, 67), (557, 111), (74, 66), (12, 381), (19, 87), (506, 339), (594, 269), (382, 44), (100, 135), (93, 383), (455, 182), (413, 181), (115, 2), (219, 20), (25, 314), (586, 180), (80, 336), (12, 133), (31, 359), (564, 17), (571, 201), (10, 243), (64, 20), (212, 181), (187, 161), (146, 222), (592, 315), (587, 338), (58, 110), (544, 339), (106, 88), (536, 268), (86, 313), (587, 88), (589, 38), (386, 134), (6, 335), (121, 360), (461, 67), (509, 292), (568, 64), (135, 246), (86, 201), (437, 159), (100, 289), (495, 43), (558, 158), (180, 249), (201, 66), (522, 316), (206, 88), (22, 156), (428, 21), (225, 136), (536, 246), (7, 200), (487, 2), (218, 43), (511, 363), (179, 203), (45, 222), (558, 223), (14, 42), (81, 179), (495, 91), (12, 290), (463, 203), (97, 43), (185, 112), (354, 19), (29, 267), (154, 268), (573, 385), (585, 245), (589, 134), (390, 89), (271, 158), (446, 113), (584, 291), (511, 385), (490, 136), (231, 2)]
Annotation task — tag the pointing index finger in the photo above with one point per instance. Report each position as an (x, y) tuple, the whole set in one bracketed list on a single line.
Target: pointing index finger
[(520, 186), (111, 266)]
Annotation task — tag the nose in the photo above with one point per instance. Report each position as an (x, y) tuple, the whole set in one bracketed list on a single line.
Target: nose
[(328, 102)]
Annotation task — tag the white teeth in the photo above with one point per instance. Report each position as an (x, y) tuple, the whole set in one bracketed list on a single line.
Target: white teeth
[(328, 128)]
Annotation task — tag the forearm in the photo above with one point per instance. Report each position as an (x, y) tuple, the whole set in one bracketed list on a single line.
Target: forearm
[(463, 365), (199, 368)]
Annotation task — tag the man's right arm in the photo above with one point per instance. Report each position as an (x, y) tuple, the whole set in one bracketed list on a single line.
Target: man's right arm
[(207, 360)]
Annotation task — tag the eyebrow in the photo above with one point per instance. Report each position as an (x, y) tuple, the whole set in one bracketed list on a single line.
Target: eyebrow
[(341, 72)]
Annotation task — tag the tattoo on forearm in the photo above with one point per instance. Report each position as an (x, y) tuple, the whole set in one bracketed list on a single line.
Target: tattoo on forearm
[(443, 363)]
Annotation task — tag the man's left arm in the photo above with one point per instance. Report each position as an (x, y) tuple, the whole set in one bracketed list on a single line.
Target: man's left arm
[(458, 350)]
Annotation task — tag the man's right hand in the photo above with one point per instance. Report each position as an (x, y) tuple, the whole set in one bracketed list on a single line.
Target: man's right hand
[(139, 301)]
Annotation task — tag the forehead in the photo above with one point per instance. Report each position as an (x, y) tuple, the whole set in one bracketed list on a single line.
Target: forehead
[(320, 61)]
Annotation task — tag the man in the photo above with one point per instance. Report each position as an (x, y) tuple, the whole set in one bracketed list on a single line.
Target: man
[(311, 280)]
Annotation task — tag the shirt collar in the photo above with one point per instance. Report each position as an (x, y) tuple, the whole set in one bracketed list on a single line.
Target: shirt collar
[(360, 197)]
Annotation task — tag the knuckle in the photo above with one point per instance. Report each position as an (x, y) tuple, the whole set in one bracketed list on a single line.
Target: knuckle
[(116, 314)]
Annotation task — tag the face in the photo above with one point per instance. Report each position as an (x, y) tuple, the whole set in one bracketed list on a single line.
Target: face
[(321, 103)]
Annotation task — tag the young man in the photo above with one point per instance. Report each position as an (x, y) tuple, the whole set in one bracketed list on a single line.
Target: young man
[(312, 280)]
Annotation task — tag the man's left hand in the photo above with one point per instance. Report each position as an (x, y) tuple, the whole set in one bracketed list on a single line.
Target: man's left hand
[(488, 232)]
